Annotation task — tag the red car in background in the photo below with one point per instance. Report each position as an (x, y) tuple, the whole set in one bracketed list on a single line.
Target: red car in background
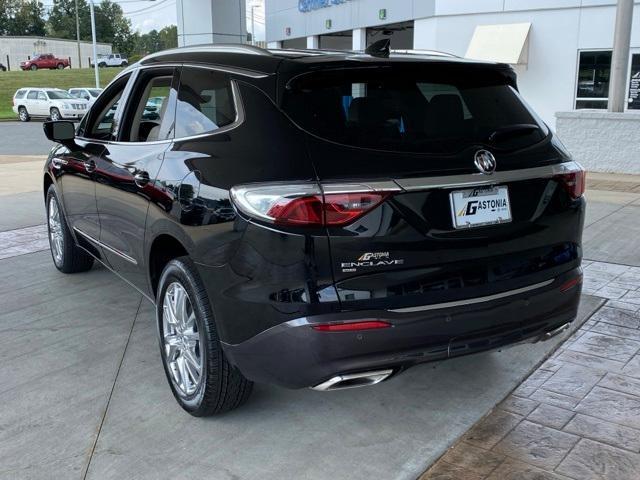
[(45, 60)]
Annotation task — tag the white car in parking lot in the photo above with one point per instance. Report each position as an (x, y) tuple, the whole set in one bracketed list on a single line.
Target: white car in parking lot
[(89, 94), (53, 103)]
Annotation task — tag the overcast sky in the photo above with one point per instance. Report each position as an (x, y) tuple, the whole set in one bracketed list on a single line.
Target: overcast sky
[(147, 15)]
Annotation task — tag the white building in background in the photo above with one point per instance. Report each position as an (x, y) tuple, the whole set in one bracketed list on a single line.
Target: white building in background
[(561, 49), (211, 21), (14, 50)]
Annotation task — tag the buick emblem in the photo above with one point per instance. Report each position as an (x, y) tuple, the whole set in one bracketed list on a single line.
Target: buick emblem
[(484, 161)]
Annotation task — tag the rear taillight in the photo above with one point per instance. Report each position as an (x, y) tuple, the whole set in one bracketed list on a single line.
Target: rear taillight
[(573, 182), (305, 204)]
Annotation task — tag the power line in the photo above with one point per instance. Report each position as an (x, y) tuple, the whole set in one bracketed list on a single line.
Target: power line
[(145, 9)]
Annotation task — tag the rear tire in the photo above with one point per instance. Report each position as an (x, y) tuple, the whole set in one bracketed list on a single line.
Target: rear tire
[(67, 256), (23, 115), (102, 65), (216, 386)]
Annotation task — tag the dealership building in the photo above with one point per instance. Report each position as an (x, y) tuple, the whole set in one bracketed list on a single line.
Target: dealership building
[(565, 44)]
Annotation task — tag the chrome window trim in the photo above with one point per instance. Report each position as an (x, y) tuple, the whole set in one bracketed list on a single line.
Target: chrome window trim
[(473, 301), (115, 251), (481, 179), (360, 187)]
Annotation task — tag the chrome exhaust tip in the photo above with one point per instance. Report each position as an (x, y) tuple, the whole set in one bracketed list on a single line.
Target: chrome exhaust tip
[(353, 380), (556, 331)]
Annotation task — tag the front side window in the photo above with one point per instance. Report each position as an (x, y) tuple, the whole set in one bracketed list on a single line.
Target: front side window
[(205, 102), (594, 71), (413, 109), (102, 119)]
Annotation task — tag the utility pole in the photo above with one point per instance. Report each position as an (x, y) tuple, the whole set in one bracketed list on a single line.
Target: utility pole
[(253, 26), (620, 58), (93, 38), (78, 35)]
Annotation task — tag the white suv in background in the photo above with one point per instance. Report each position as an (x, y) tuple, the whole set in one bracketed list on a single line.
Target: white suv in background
[(89, 94), (51, 103)]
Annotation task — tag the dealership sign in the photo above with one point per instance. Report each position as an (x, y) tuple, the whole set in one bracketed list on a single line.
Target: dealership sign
[(309, 5)]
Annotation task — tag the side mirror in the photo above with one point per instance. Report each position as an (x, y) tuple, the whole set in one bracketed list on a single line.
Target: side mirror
[(60, 131)]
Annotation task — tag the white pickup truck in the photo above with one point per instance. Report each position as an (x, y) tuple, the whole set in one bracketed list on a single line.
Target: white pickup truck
[(112, 60)]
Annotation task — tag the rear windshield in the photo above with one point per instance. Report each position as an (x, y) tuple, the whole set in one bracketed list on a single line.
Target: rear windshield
[(58, 94), (412, 110)]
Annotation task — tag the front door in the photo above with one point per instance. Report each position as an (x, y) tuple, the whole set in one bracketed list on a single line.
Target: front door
[(128, 167)]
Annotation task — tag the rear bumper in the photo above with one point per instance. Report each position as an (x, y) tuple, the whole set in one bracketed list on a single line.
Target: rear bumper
[(294, 355)]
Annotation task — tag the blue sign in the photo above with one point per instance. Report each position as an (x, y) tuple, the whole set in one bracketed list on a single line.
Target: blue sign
[(309, 5)]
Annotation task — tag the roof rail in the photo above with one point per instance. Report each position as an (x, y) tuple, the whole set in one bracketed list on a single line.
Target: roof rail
[(415, 51), (214, 47)]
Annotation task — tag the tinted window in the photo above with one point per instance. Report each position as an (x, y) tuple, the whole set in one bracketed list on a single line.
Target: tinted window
[(32, 95), (42, 96), (205, 102), (443, 109), (102, 122), (593, 79), (150, 113), (20, 93)]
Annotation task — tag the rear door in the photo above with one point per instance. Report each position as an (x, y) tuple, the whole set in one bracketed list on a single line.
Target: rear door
[(445, 231)]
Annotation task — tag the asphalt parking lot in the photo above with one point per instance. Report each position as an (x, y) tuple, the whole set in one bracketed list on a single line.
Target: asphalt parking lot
[(84, 395)]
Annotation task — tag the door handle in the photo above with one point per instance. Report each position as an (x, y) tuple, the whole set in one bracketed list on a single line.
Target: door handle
[(141, 179), (58, 162), (90, 166)]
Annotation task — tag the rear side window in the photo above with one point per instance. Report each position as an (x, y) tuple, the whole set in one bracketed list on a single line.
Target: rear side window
[(425, 109), (20, 93), (32, 95), (205, 102)]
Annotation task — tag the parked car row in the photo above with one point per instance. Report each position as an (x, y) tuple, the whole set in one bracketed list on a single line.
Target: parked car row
[(53, 103)]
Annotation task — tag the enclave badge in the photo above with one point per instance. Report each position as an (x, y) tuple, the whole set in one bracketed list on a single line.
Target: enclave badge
[(484, 161)]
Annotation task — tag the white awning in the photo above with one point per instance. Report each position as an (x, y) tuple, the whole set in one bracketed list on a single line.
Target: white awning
[(506, 43)]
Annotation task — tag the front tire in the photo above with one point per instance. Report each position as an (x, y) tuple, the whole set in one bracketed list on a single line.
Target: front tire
[(202, 380), (54, 114), (33, 68), (23, 115), (67, 256)]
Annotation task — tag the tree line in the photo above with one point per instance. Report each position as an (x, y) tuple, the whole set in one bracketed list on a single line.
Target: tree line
[(30, 17)]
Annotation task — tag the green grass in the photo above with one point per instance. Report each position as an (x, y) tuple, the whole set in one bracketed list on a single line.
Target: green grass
[(67, 78)]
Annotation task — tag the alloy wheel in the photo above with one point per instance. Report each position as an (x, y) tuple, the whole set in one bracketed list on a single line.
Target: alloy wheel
[(55, 114), (23, 115), (181, 339), (56, 236)]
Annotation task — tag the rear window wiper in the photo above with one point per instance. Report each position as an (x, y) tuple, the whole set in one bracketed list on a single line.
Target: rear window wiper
[(513, 130)]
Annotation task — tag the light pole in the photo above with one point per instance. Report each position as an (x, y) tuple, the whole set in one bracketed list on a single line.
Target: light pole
[(95, 48), (78, 35), (620, 57), (253, 25)]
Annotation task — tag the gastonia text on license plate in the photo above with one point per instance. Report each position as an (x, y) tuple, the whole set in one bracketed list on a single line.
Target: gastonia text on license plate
[(480, 206)]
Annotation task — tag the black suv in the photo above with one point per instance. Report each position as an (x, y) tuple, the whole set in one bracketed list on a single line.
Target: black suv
[(317, 218)]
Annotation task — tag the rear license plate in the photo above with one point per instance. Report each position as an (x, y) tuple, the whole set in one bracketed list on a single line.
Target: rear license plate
[(480, 206)]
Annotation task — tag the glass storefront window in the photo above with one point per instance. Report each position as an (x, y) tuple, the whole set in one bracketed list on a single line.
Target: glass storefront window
[(593, 79)]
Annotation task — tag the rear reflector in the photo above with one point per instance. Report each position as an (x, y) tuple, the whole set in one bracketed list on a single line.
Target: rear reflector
[(573, 183), (351, 326), (304, 204), (569, 284)]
